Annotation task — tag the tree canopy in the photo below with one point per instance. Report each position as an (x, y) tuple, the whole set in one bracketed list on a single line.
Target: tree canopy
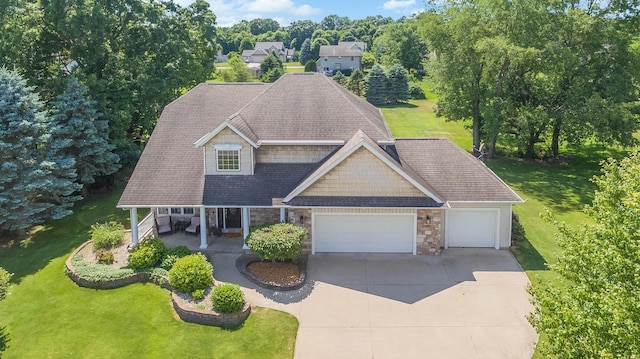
[(598, 314)]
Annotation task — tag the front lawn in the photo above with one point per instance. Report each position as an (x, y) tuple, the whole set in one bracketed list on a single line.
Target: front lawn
[(47, 316)]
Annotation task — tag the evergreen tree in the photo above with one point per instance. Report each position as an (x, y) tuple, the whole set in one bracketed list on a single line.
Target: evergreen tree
[(305, 52), (398, 84), (310, 66), (340, 78), (376, 88), (271, 68), (355, 83), (75, 120), (37, 181)]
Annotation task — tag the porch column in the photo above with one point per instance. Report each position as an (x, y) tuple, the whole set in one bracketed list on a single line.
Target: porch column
[(283, 218), (203, 228), (245, 225), (133, 216)]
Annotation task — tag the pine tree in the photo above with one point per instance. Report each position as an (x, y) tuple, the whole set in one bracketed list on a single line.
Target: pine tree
[(37, 181), (398, 84), (376, 89), (355, 83), (305, 52), (340, 78), (75, 120)]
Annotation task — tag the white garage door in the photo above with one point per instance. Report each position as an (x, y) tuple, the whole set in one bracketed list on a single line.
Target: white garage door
[(346, 232), (472, 227)]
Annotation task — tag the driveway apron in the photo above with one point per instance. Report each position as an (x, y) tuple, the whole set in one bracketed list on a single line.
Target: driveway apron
[(465, 303)]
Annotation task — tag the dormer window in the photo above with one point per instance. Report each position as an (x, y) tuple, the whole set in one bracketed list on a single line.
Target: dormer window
[(228, 157)]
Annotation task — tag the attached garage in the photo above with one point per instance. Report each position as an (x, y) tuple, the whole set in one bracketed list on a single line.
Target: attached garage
[(358, 232), (472, 227)]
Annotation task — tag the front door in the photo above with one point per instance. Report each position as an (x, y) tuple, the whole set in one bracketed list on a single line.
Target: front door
[(230, 218)]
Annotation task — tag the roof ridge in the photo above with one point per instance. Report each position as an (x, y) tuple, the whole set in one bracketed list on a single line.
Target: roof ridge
[(343, 95), (238, 113)]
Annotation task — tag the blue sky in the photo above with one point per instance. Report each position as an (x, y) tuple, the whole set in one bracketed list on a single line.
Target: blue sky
[(229, 12)]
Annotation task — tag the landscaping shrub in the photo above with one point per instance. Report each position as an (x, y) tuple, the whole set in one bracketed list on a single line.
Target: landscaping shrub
[(107, 235), (198, 294), (172, 255), (5, 278), (191, 273), (416, 92), (147, 253), (227, 298), (277, 242), (104, 257), (98, 272)]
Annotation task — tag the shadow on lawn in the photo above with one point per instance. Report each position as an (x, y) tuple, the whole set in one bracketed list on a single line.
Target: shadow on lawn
[(563, 187), (58, 238), (526, 254)]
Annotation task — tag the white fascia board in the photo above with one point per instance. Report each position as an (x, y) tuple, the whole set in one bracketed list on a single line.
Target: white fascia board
[(300, 142), (487, 202), (386, 143)]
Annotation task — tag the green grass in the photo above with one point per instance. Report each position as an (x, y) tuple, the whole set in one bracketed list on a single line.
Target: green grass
[(46, 315)]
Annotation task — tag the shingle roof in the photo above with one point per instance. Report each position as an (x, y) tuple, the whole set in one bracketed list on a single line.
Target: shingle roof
[(311, 106), (329, 50), (170, 170), (453, 172), (269, 181)]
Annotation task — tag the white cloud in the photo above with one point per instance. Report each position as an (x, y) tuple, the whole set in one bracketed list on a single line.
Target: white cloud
[(306, 10), (398, 5)]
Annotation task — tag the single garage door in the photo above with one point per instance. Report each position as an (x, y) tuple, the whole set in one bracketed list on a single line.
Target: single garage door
[(472, 227), (348, 232)]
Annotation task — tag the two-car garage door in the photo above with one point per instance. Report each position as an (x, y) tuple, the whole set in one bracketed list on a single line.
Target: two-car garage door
[(356, 232)]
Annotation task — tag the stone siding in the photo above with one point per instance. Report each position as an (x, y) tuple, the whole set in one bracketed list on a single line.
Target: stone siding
[(429, 238), (306, 213), (362, 174), (227, 136), (292, 153), (260, 216)]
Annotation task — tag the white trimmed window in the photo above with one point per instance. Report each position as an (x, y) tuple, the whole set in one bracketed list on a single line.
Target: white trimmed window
[(180, 211), (228, 157)]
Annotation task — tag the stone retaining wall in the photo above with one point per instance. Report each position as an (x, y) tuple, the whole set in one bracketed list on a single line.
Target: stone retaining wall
[(210, 317), (191, 315)]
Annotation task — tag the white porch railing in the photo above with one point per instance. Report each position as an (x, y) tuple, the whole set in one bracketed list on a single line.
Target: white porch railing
[(145, 227)]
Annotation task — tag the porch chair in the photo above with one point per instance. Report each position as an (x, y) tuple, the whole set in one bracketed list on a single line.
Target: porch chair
[(194, 227), (163, 224)]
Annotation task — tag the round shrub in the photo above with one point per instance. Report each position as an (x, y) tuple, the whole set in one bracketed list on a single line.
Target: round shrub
[(416, 92), (172, 255), (227, 298), (147, 253), (107, 235), (277, 242), (104, 257), (191, 273)]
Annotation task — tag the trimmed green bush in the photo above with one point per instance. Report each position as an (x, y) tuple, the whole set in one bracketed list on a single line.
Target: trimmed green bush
[(107, 235), (172, 255), (104, 257), (277, 242), (198, 294), (416, 92), (147, 253), (227, 298), (5, 279), (191, 273), (98, 272)]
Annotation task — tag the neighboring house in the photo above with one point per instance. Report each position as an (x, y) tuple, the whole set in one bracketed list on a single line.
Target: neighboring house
[(344, 56), (264, 49), (304, 149)]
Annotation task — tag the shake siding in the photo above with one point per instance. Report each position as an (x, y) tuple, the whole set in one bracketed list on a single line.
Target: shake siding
[(292, 154), (227, 136), (362, 174)]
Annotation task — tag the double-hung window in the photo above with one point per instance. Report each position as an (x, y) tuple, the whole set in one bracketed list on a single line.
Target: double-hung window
[(228, 157)]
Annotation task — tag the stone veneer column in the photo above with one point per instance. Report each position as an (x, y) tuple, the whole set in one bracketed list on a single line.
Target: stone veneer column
[(306, 223), (429, 229)]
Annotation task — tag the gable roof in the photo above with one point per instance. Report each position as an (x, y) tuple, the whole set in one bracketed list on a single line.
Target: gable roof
[(170, 171), (453, 172), (329, 50), (359, 140)]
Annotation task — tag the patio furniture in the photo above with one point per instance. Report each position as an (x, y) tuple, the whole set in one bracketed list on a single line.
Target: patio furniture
[(163, 224), (194, 227)]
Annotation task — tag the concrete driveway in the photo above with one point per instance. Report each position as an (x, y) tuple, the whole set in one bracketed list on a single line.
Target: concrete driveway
[(466, 303)]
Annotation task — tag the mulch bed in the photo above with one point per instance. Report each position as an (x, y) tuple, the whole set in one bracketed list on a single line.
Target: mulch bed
[(276, 276), (276, 272)]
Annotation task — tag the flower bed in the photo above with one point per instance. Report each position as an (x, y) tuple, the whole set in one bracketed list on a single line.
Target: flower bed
[(244, 260), (104, 276)]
